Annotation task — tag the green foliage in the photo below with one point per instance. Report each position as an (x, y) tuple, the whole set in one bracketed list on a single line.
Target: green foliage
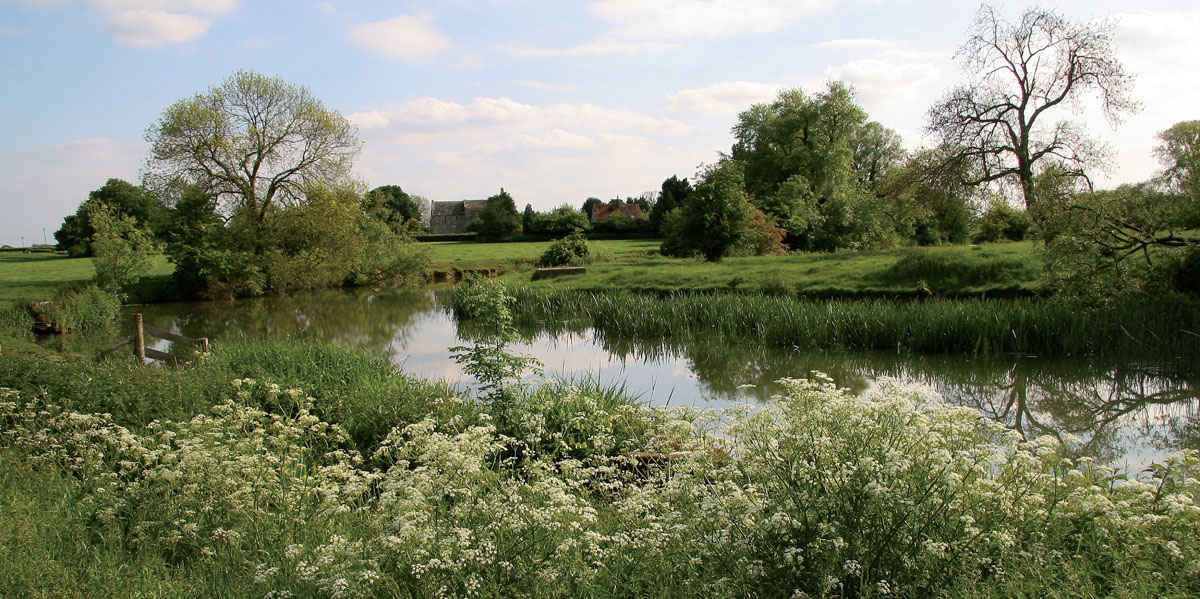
[(559, 222), (715, 216), (760, 237), (818, 492), (1001, 222), (290, 138), (389, 204), (673, 195), (122, 249), (1129, 327), (927, 199), (487, 305), (122, 199), (1127, 241), (325, 241), (1179, 153), (571, 250), (588, 204), (938, 272), (498, 220), (811, 163), (83, 307)]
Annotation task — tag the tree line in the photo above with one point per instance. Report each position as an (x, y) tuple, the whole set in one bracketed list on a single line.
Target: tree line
[(248, 187)]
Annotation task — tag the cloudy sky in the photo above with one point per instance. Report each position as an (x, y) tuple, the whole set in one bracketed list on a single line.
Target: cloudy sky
[(551, 99)]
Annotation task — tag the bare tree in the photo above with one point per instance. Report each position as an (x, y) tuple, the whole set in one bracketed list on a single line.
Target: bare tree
[(253, 141), (1001, 121)]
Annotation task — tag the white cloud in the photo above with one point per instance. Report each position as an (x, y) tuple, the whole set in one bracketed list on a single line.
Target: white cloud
[(545, 154), (728, 97), (147, 28), (400, 38), (47, 183), (149, 23)]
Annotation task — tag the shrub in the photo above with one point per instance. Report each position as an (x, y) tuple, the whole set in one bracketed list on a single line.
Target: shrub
[(122, 249), (81, 308), (571, 250), (1001, 221)]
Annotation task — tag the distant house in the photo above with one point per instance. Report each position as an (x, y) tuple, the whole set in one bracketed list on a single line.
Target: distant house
[(453, 217), (603, 212)]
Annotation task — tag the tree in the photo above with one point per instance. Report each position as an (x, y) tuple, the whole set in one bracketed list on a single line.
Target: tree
[(254, 141), (588, 205), (499, 218), (529, 219), (391, 206), (122, 199), (1020, 73), (1179, 153), (811, 162), (716, 214), (122, 248), (674, 193)]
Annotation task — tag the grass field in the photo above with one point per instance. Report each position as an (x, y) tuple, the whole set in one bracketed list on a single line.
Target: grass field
[(30, 277), (635, 265)]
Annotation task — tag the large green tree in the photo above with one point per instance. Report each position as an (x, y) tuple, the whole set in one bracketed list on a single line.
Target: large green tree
[(1022, 74), (674, 193), (811, 162), (254, 142), (122, 199), (389, 204), (715, 216), (1179, 153), (499, 218)]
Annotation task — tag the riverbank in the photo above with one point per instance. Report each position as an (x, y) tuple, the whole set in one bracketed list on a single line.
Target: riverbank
[(303, 468)]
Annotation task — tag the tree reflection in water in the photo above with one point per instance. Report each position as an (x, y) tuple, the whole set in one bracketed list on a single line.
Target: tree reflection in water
[(1124, 414)]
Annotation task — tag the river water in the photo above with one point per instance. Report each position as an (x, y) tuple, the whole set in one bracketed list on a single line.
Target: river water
[(1124, 414)]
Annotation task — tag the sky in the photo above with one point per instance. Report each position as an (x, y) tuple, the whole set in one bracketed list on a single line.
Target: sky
[(553, 100)]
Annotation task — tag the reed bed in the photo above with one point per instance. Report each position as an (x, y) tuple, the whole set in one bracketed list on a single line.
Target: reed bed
[(1166, 328)]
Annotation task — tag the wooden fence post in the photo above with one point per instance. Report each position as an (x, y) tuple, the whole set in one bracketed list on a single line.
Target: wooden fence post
[(139, 340)]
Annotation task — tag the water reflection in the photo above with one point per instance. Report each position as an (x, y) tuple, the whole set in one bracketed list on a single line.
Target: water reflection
[(1124, 414)]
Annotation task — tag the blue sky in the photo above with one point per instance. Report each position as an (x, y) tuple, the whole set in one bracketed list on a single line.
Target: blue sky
[(553, 100)]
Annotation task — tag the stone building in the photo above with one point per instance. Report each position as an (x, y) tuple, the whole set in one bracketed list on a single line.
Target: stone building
[(453, 217)]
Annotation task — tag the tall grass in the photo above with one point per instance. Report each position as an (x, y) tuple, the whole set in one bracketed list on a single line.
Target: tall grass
[(1165, 328)]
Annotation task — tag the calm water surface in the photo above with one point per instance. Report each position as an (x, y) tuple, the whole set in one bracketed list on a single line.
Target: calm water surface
[(1127, 414)]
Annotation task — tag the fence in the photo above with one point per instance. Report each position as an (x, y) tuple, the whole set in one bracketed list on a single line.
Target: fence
[(138, 340)]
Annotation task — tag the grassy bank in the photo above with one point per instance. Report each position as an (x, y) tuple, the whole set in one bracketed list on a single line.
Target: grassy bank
[(121, 481), (997, 269), (36, 277), (1164, 329)]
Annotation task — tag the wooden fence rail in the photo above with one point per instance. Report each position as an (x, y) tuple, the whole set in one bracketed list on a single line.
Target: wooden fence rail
[(138, 339)]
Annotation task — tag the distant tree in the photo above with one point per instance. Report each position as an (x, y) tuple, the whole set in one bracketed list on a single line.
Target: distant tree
[(122, 199), (876, 150), (529, 220), (928, 201), (674, 193), (562, 221), (1179, 153), (499, 218), (589, 204), (715, 216), (254, 142), (391, 206), (1021, 73)]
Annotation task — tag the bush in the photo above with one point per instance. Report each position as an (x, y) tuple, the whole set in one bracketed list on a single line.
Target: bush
[(571, 250), (1001, 221), (81, 308), (122, 249), (946, 272)]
